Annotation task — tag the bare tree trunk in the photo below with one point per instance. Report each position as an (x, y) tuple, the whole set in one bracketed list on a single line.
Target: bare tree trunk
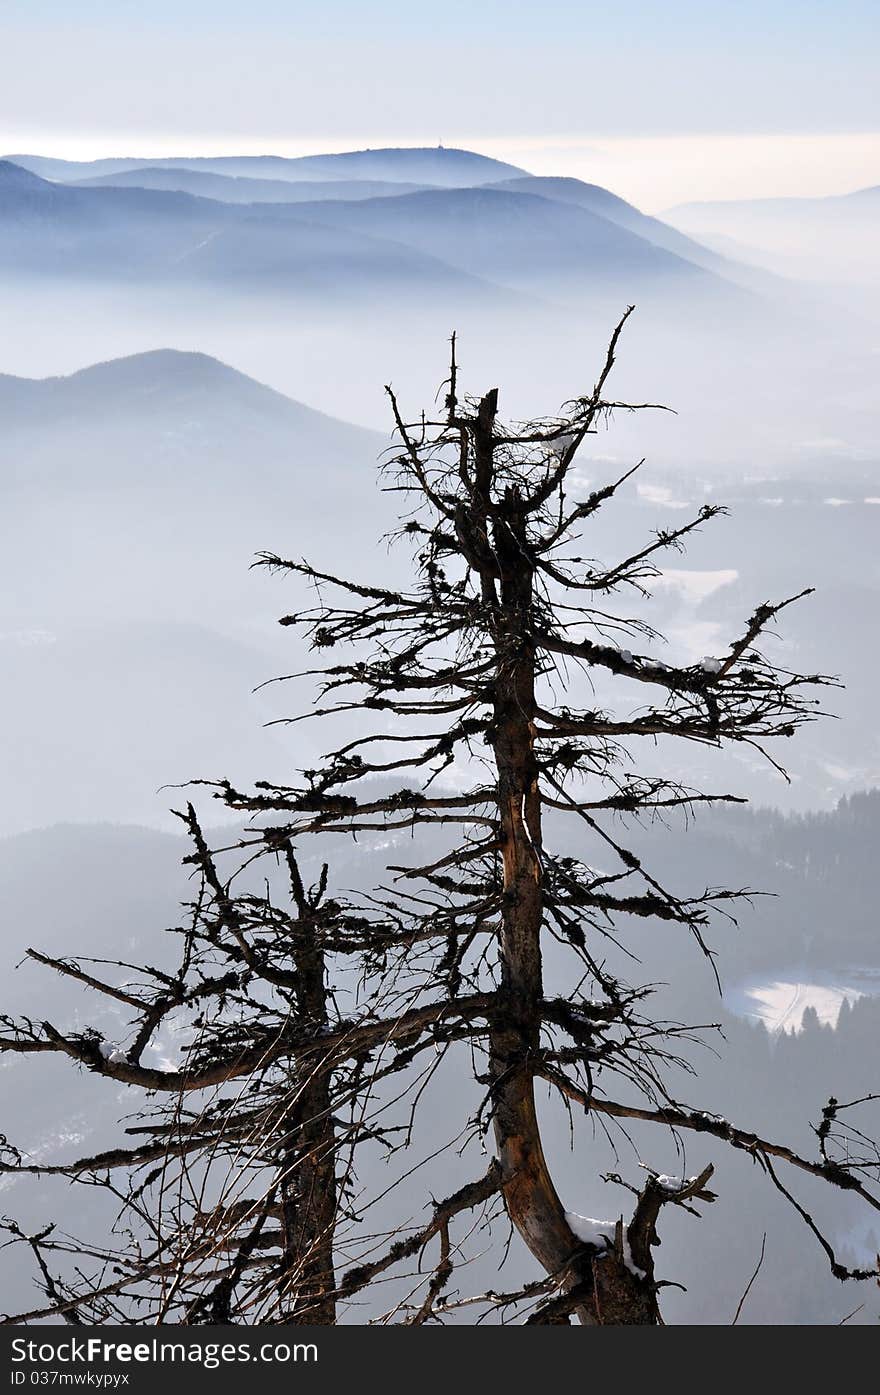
[(610, 1290), (309, 1192), (308, 1209)]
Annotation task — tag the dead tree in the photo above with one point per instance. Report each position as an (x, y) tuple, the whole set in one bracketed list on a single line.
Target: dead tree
[(460, 677)]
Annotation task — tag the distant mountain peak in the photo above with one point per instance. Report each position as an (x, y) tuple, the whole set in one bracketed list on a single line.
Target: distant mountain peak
[(147, 375), (155, 385), (446, 164), (174, 363)]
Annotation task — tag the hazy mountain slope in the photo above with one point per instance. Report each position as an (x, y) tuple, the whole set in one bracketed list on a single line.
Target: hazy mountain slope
[(53, 229), (429, 165), (54, 168), (436, 165), (527, 242), (165, 415), (811, 862), (321, 260), (831, 206), (142, 489), (595, 199), (828, 239), (245, 189), (135, 496), (146, 485), (138, 380), (16, 179), (869, 195), (155, 235)]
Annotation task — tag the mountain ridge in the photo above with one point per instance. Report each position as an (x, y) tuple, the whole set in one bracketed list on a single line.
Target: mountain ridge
[(446, 163), (238, 188), (148, 235), (172, 407), (522, 238), (165, 368)]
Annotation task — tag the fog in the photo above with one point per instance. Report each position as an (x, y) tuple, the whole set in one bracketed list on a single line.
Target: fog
[(191, 376), (827, 241)]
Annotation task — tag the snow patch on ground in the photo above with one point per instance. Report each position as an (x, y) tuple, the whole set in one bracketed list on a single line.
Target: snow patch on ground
[(781, 1003)]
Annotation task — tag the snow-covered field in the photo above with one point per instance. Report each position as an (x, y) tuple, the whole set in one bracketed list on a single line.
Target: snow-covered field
[(780, 1003)]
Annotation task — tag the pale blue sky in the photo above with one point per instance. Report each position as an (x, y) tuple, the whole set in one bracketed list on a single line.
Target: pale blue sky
[(569, 82)]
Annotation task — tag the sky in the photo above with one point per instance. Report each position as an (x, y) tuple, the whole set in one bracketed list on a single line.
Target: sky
[(661, 101)]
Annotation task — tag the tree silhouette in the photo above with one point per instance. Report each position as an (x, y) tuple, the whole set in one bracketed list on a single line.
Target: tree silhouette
[(507, 692)]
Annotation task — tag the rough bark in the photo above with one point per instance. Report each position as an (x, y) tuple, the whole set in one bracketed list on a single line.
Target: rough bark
[(309, 1200), (612, 1293)]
